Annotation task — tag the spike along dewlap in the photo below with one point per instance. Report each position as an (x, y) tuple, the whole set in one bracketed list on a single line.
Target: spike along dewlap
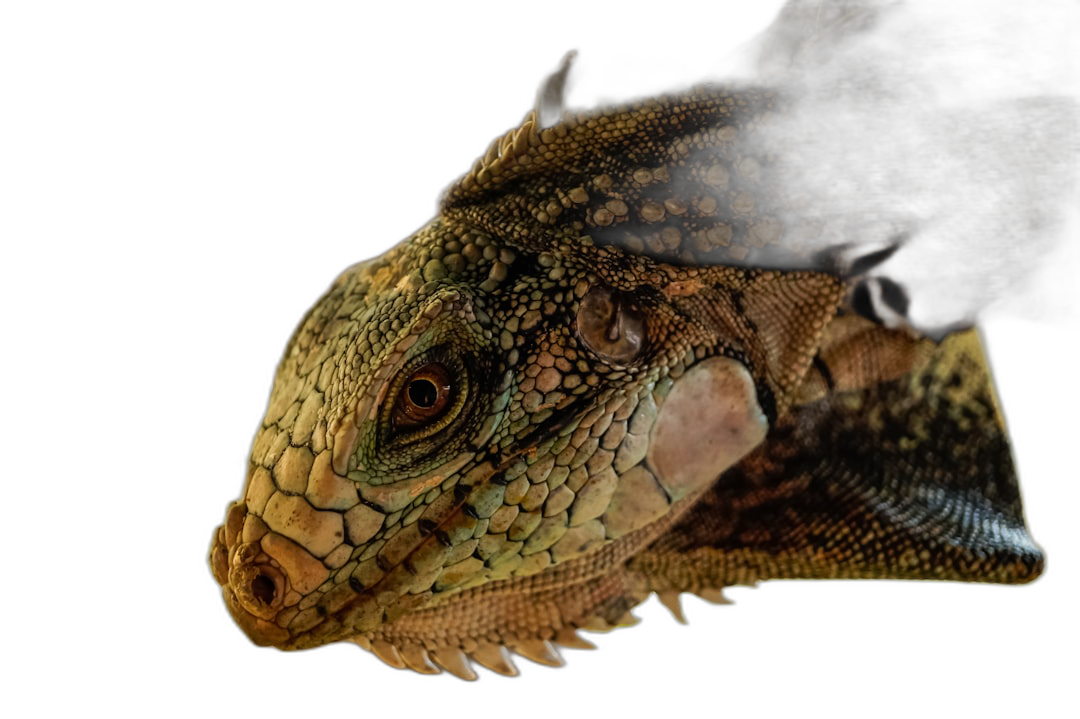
[(589, 378)]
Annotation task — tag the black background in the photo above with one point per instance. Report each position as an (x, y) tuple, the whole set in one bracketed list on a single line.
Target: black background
[(295, 146)]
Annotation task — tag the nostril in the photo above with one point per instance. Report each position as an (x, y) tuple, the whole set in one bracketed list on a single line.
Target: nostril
[(258, 587), (263, 589)]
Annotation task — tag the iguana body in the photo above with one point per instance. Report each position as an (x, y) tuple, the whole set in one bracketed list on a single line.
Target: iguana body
[(577, 386)]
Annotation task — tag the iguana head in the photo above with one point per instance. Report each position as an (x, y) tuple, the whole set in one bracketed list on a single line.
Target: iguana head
[(471, 438), (515, 396)]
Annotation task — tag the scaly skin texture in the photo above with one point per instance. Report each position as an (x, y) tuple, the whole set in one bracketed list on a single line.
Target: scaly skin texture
[(577, 386)]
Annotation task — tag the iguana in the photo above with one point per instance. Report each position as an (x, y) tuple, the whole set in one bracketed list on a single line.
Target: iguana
[(594, 376)]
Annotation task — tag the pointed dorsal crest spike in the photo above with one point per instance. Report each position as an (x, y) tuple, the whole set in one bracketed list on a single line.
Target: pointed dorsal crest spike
[(553, 93)]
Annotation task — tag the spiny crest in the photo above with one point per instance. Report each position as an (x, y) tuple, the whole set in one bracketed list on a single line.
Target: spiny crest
[(497, 656), (516, 146), (544, 125), (799, 34)]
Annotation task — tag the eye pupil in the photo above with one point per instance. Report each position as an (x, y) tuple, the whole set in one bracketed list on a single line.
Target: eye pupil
[(423, 393)]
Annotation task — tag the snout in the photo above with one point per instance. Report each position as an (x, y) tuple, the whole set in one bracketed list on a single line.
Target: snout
[(253, 587)]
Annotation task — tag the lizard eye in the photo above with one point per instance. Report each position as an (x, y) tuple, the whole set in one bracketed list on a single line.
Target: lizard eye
[(429, 410), (425, 396)]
